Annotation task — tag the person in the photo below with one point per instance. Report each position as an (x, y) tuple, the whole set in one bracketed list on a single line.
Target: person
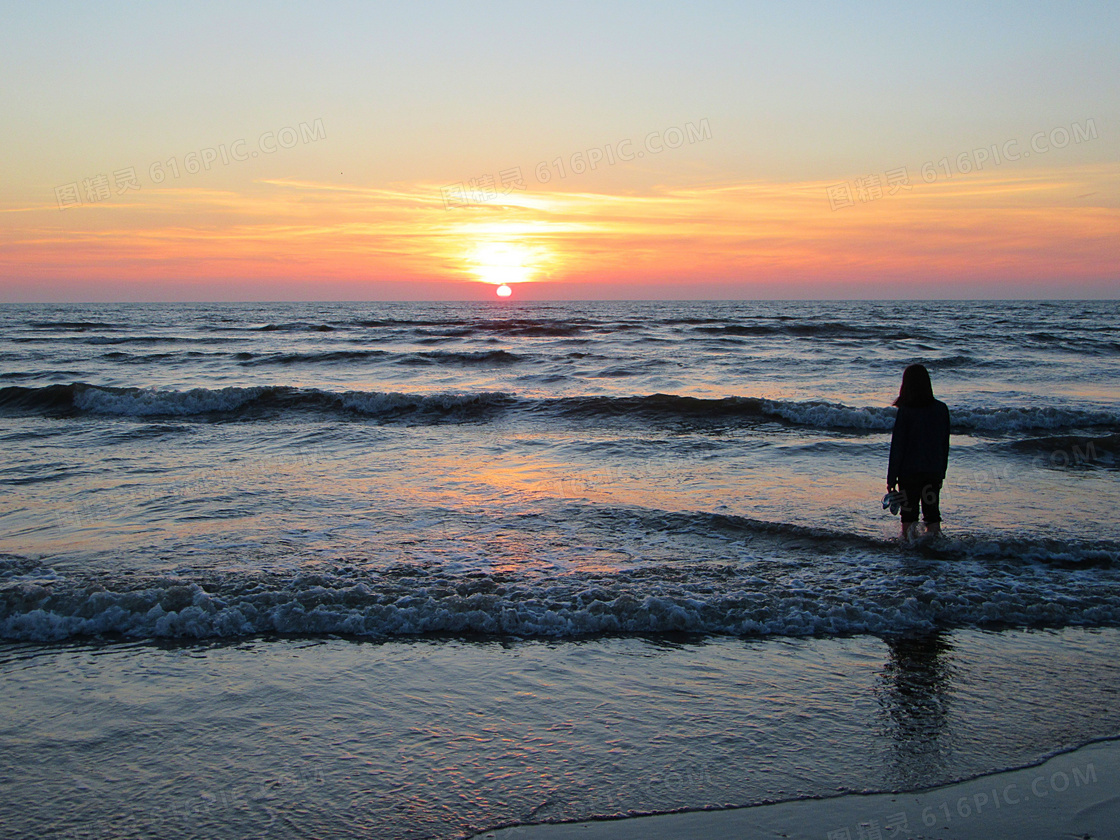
[(919, 451)]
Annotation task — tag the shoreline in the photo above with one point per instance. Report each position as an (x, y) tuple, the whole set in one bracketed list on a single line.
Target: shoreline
[(1073, 793)]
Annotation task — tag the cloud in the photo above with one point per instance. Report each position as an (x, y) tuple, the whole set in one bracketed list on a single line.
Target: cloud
[(1022, 225)]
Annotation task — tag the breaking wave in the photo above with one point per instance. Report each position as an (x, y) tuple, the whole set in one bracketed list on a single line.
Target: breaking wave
[(855, 586), (239, 403)]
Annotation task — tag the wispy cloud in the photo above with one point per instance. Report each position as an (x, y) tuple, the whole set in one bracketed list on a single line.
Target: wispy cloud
[(1031, 223)]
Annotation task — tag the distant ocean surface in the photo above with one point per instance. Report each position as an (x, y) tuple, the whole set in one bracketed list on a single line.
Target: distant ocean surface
[(271, 475)]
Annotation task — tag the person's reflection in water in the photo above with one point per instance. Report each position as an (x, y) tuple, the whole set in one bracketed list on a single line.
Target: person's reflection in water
[(914, 696)]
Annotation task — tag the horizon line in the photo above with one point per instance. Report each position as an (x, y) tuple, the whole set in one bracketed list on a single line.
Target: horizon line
[(510, 302)]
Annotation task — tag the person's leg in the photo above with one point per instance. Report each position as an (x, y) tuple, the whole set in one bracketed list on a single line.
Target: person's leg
[(908, 513), (931, 506)]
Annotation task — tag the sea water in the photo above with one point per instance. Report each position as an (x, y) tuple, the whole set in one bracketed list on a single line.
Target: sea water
[(634, 539)]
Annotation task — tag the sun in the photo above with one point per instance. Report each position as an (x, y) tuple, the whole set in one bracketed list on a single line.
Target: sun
[(503, 262), (504, 291)]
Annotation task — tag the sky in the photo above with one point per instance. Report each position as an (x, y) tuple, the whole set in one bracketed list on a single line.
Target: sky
[(601, 150)]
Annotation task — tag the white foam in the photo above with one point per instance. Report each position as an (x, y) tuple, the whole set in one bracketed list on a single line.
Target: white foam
[(147, 402), (1026, 419), (863, 596), (831, 415)]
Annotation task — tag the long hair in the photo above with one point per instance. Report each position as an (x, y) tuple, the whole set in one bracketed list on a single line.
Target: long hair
[(916, 389)]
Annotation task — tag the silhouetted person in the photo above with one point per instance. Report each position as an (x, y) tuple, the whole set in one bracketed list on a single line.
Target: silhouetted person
[(919, 450)]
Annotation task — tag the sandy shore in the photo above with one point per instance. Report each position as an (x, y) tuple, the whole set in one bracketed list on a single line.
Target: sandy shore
[(1073, 795)]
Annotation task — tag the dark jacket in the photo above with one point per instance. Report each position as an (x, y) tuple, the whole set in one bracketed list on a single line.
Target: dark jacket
[(920, 441)]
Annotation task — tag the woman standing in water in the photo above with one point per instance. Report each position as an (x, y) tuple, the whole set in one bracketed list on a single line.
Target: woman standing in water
[(919, 450)]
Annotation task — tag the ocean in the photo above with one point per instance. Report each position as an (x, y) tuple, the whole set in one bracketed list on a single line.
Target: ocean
[(425, 569)]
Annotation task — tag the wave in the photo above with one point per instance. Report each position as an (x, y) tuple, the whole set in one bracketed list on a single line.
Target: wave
[(125, 339), (1072, 450), (296, 327), (40, 374), (148, 358), (1041, 418), (325, 357), (243, 403), (560, 327), (960, 361), (240, 403), (854, 586), (1082, 342), (463, 327), (542, 329), (481, 357), (828, 329), (406, 324), (78, 326)]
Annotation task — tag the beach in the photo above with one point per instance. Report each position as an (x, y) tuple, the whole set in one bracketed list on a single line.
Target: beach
[(1071, 795)]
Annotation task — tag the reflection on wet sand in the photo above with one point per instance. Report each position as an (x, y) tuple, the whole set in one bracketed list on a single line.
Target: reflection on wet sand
[(914, 694)]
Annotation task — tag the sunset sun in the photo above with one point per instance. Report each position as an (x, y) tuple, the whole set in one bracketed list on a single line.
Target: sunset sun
[(501, 259)]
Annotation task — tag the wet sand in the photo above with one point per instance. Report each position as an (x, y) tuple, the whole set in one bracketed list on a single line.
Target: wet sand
[(445, 738), (1072, 795)]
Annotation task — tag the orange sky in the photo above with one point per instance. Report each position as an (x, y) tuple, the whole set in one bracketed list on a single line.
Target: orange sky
[(287, 239)]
